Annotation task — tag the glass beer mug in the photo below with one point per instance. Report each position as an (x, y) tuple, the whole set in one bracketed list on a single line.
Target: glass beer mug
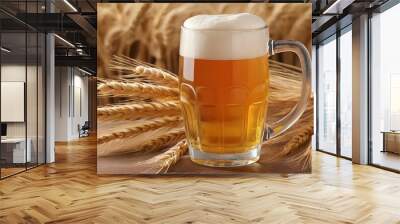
[(224, 87)]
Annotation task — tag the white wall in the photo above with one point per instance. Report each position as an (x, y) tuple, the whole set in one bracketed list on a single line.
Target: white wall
[(12, 73), (70, 83), (61, 103), (80, 110)]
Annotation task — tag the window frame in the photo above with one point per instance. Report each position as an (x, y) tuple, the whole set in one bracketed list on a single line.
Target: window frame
[(336, 38)]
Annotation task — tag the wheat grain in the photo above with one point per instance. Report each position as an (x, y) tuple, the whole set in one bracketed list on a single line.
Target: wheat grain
[(131, 111), (161, 142), (117, 88), (162, 162), (170, 157), (131, 64), (131, 132), (137, 69), (158, 75)]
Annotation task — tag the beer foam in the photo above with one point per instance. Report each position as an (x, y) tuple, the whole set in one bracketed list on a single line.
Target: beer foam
[(224, 37)]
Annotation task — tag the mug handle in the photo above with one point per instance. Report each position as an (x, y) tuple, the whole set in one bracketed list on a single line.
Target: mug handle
[(279, 46)]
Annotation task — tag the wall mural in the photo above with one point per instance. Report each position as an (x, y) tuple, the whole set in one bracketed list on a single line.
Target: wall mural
[(188, 88)]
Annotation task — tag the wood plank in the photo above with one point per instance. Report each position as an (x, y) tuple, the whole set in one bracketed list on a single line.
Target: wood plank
[(69, 191)]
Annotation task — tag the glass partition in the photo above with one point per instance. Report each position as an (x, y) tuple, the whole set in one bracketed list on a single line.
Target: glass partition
[(13, 87), (22, 101)]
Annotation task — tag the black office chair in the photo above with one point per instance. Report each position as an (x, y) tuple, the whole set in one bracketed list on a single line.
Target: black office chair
[(84, 130)]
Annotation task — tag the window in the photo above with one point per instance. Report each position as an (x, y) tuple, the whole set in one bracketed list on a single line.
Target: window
[(385, 89), (346, 93), (327, 96)]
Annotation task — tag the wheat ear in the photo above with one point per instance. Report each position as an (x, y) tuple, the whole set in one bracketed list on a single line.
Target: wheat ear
[(129, 111), (134, 68), (133, 62), (298, 140), (117, 88), (131, 132), (162, 142), (162, 162)]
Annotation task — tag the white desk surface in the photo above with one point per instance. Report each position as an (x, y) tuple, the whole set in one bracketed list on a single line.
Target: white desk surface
[(21, 154), (13, 140)]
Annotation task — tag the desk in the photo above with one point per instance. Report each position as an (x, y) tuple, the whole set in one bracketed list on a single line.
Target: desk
[(13, 150), (391, 141)]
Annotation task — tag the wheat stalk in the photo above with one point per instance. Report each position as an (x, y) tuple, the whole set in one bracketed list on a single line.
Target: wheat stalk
[(131, 132), (162, 162), (117, 88), (303, 158), (288, 67), (130, 111), (140, 145), (137, 69), (161, 142)]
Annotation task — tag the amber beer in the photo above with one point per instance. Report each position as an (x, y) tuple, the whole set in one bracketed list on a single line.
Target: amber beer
[(223, 84), (224, 87), (225, 104)]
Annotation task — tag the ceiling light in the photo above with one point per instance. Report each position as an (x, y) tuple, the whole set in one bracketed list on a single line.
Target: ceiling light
[(333, 6), (337, 7), (70, 5), (5, 50), (84, 71), (65, 41), (80, 51)]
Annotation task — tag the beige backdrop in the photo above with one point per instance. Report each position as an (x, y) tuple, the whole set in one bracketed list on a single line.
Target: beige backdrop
[(150, 32)]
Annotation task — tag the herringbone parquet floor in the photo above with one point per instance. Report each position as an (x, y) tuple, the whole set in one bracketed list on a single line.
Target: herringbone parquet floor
[(69, 191)]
